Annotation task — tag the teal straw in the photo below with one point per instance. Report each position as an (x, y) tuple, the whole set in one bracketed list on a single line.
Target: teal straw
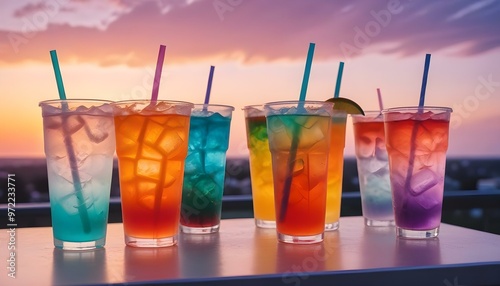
[(307, 72), (57, 72), (339, 80), (295, 139), (68, 142)]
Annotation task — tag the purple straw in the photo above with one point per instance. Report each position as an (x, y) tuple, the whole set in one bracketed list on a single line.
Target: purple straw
[(159, 66)]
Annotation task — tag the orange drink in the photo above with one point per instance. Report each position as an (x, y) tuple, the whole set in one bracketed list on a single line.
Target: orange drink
[(335, 169), (299, 139), (151, 144), (261, 171)]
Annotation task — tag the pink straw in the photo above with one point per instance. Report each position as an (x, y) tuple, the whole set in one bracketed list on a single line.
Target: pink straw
[(380, 104), (159, 66)]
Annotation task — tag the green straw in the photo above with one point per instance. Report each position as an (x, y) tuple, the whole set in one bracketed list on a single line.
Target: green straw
[(339, 80), (295, 138), (68, 142)]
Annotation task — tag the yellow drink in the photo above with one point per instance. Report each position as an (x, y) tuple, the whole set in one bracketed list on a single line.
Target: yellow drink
[(261, 171), (335, 170)]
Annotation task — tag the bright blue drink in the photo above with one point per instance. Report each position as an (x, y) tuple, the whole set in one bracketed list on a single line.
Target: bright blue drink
[(79, 146), (205, 168)]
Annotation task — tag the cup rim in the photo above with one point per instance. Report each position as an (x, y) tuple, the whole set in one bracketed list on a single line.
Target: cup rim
[(201, 105), (76, 100), (297, 101), (179, 102), (417, 108)]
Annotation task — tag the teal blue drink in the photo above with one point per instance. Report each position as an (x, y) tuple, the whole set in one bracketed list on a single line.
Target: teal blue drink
[(79, 144), (205, 168)]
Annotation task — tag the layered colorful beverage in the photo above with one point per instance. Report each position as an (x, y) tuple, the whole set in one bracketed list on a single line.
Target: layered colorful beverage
[(205, 170), (151, 144), (335, 169), (299, 140), (373, 169), (261, 171), (417, 141), (79, 143)]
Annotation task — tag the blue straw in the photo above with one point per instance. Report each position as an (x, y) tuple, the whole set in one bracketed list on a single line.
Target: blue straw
[(424, 80), (209, 85), (339, 80), (411, 161), (307, 72)]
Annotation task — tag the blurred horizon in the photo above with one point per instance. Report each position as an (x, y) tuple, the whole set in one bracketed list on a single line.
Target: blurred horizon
[(108, 49)]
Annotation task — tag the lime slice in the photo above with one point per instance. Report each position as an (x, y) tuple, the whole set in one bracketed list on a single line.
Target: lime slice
[(350, 107)]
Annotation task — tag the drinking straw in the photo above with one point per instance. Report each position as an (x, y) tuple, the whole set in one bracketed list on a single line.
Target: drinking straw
[(411, 160), (154, 98), (380, 103), (159, 66), (295, 138), (209, 85), (339, 80), (424, 80), (68, 142)]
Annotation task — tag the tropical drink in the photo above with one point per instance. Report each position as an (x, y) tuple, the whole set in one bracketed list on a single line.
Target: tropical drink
[(151, 144), (205, 170), (335, 169), (261, 171), (79, 146), (299, 140), (417, 141), (373, 169)]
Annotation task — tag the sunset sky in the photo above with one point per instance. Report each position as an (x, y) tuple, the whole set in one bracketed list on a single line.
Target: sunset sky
[(108, 50)]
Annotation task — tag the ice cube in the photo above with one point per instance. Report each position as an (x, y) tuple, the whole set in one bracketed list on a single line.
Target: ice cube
[(422, 181), (194, 162), (52, 122), (217, 138), (214, 162), (171, 143), (365, 147), (146, 193), (380, 149), (305, 121), (206, 185), (173, 173), (71, 204), (298, 167), (149, 152), (310, 136), (372, 165), (71, 124), (130, 127), (96, 135), (83, 149), (127, 169), (149, 169), (428, 201)]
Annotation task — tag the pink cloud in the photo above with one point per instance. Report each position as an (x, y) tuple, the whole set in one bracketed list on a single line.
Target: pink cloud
[(260, 30)]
